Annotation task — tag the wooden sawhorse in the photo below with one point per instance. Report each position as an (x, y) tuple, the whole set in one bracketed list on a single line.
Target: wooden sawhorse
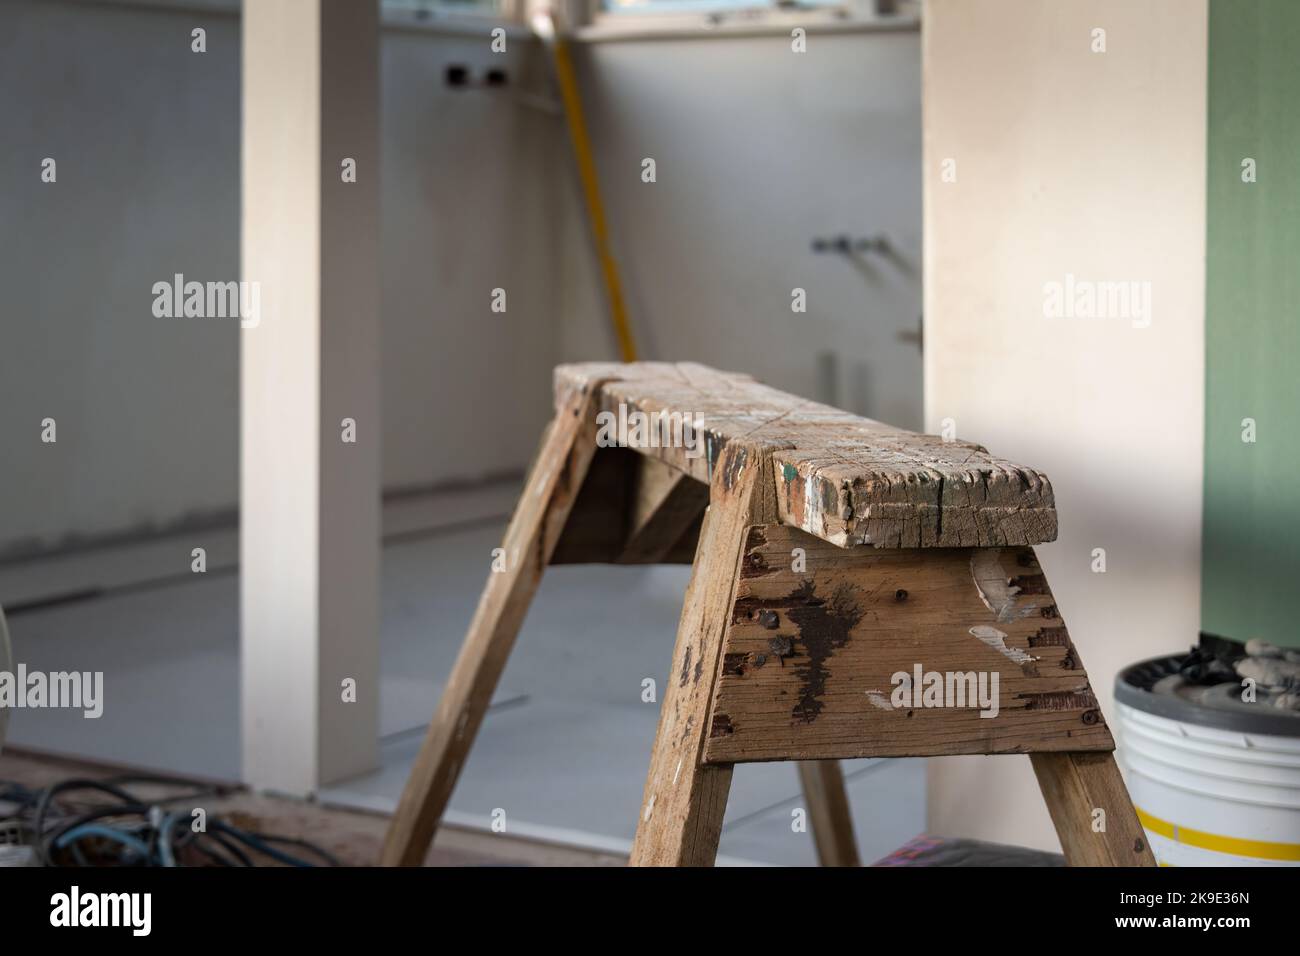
[(857, 591)]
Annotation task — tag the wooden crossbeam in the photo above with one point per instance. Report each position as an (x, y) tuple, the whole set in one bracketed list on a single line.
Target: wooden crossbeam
[(665, 504), (632, 510), (816, 636)]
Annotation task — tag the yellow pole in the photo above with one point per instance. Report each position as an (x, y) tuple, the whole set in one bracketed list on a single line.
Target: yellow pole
[(591, 191)]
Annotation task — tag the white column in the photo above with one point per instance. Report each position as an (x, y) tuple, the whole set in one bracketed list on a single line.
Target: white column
[(1065, 144), (309, 501)]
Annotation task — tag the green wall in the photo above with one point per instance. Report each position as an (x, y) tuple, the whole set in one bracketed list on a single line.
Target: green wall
[(1251, 570)]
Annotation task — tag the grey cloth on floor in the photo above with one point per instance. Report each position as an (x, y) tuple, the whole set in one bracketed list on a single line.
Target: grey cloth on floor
[(926, 850)]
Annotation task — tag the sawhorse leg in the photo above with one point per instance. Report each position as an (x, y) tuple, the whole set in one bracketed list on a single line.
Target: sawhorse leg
[(1078, 785), (535, 527), (685, 799), (828, 812)]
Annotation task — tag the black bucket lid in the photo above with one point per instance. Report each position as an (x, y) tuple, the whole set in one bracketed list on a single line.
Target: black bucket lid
[(1133, 688)]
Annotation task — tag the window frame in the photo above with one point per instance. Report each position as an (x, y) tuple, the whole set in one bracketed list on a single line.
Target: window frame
[(755, 17), (407, 13)]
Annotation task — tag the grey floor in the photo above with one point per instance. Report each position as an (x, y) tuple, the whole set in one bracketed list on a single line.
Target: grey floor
[(565, 745)]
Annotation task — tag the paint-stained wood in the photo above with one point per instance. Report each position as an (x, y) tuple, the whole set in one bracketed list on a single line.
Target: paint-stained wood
[(684, 800), (843, 478), (1091, 809), (540, 515), (817, 634), (828, 812)]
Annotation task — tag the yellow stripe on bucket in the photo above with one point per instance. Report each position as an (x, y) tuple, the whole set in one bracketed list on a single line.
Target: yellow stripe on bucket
[(1259, 849)]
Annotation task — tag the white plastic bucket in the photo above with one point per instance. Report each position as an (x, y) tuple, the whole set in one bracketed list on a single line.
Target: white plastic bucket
[(1210, 795)]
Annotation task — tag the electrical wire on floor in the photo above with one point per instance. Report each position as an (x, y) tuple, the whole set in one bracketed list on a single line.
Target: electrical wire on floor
[(118, 827)]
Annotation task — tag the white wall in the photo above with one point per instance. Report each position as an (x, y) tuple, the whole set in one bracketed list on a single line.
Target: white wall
[(1091, 164), (469, 204), (146, 136), (758, 150)]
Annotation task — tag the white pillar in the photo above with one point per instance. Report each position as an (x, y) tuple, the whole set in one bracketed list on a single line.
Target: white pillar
[(1055, 153), (309, 501)]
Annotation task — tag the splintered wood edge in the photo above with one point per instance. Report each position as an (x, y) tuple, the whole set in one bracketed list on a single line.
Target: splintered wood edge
[(999, 505), (919, 491)]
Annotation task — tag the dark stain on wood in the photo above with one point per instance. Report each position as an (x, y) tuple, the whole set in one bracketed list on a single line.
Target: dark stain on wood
[(721, 726), (755, 562), (754, 565), (734, 664), (938, 511), (830, 505), (686, 667), (1062, 700), (542, 523), (713, 446), (781, 647), (1030, 584), (733, 463), (824, 626), (747, 609), (1050, 637)]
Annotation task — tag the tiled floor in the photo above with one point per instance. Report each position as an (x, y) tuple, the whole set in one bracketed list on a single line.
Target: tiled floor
[(563, 751)]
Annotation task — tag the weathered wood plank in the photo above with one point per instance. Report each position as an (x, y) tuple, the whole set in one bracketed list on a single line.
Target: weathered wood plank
[(847, 479), (817, 635), (684, 800), (1078, 785), (665, 503), (548, 496), (828, 812)]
